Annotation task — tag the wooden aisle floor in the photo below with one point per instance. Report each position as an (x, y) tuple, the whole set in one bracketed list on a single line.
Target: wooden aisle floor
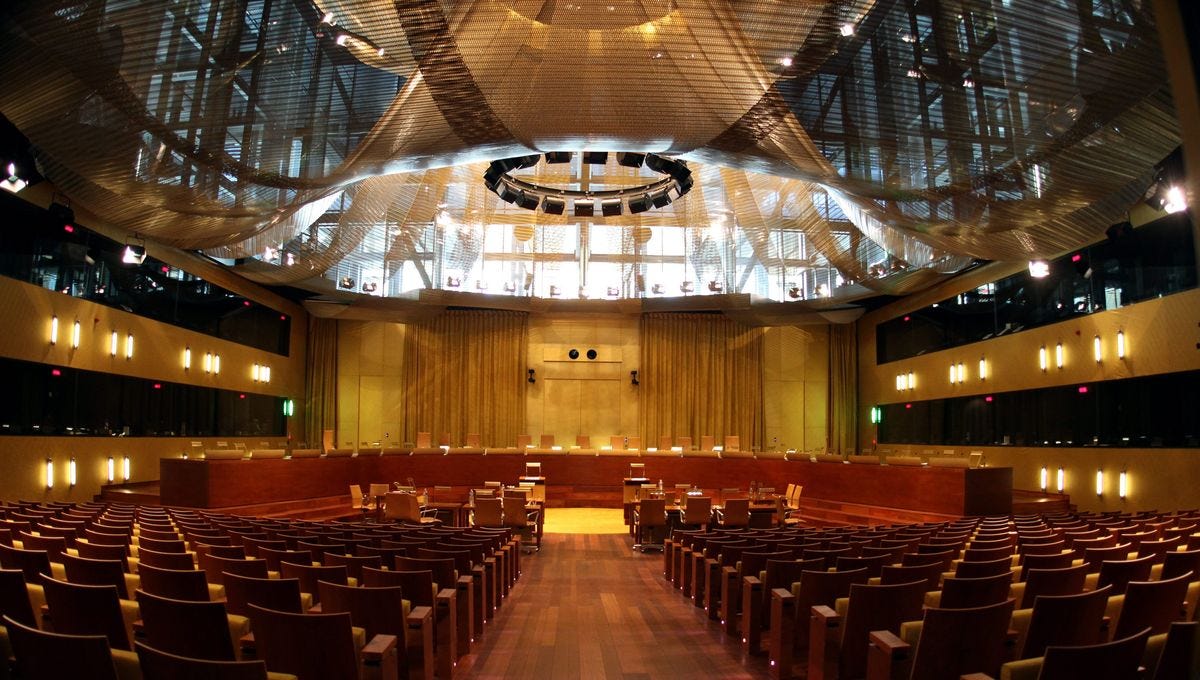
[(588, 606)]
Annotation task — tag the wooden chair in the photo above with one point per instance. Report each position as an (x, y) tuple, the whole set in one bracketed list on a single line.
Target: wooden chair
[(98, 551), (1179, 651), (735, 514), (31, 563), (1116, 660), (1118, 573), (282, 594), (964, 593), (405, 508), (176, 584), (320, 646), (791, 609), (165, 560), (354, 564), (420, 589), (275, 558), (873, 564), (445, 576), (383, 610), (950, 642), (309, 576), (216, 567), (14, 598), (1064, 581), (86, 610), (159, 665), (89, 572), (55, 546), (983, 569), (649, 516), (521, 521), (931, 574), (838, 645), (173, 545), (1064, 620), (57, 656), (707, 442), (489, 512), (1054, 561), (695, 511), (1152, 604), (194, 629)]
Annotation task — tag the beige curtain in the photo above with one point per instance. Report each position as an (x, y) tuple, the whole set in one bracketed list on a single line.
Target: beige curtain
[(465, 373), (843, 388), (700, 374), (320, 380)]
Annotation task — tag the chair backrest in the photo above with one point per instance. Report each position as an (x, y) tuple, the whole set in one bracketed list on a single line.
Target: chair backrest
[(1180, 562), (1119, 573), (176, 584), (962, 593), (401, 506), (1065, 620), (443, 569), (873, 564), (1059, 560), (1153, 604), (822, 588), (309, 646), (733, 442), (309, 576), (55, 656), (354, 564), (942, 558), (99, 551), (962, 641), (159, 665), (1114, 660), (707, 442), (931, 574), (474, 440), (53, 545), (275, 558), (995, 567), (524, 440), (417, 585), (165, 560), (514, 511), (31, 563), (215, 567), (195, 629), (696, 509), (14, 597), (546, 441), (167, 545), (1063, 581), (874, 608), (86, 610), (652, 512), (489, 512), (736, 513), (424, 440), (280, 594), (1179, 651), (91, 572), (378, 610)]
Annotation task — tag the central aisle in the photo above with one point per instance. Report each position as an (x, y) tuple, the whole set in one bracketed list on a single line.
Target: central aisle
[(588, 606)]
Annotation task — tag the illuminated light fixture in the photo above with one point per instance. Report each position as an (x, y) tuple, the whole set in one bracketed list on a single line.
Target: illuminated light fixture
[(71, 472), (264, 373), (1096, 350), (217, 364), (1044, 479), (1083, 389), (846, 30), (112, 344), (75, 334), (342, 38), (1058, 355), (13, 183), (125, 469), (347, 282), (328, 19), (187, 358), (953, 374), (49, 473), (876, 415), (1042, 363), (134, 253), (982, 368), (379, 53), (1120, 344), (1100, 481), (912, 381), (901, 383), (370, 287), (785, 62), (289, 407), (1062, 480), (1175, 201), (112, 469), (914, 73), (254, 373), (208, 362), (962, 372), (54, 330), (1039, 269), (129, 346), (1123, 484)]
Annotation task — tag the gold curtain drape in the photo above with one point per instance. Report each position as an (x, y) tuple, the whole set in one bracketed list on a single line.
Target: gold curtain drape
[(320, 379), (465, 373), (843, 388), (700, 374)]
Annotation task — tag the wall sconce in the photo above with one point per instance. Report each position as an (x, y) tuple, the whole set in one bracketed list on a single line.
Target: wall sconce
[(1058, 355), (217, 364), (1062, 480), (129, 346), (1100, 481), (1120, 344), (953, 373), (112, 344), (125, 469), (531, 379), (962, 372), (75, 335), (1096, 349), (254, 373), (633, 378), (54, 330), (912, 381), (901, 381), (208, 362), (112, 469), (187, 358), (264, 374), (1123, 484), (1042, 358), (1044, 479), (49, 473), (876, 415), (71, 473), (289, 409), (982, 369)]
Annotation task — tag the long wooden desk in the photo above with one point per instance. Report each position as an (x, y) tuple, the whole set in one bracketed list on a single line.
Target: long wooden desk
[(599, 480)]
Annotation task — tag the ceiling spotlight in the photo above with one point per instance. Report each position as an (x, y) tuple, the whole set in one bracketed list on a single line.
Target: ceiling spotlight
[(328, 19), (13, 183), (347, 282), (794, 292), (508, 193), (370, 287), (1175, 200), (847, 30), (914, 73), (379, 53), (134, 254), (342, 38), (528, 200), (640, 204), (660, 198), (715, 286), (1039, 269), (785, 62)]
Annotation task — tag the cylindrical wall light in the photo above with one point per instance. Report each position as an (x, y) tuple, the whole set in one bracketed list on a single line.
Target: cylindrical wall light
[(208, 362), (1120, 344), (112, 345), (49, 473), (1123, 484), (1042, 358), (125, 469), (982, 368), (1045, 478), (71, 473), (962, 372), (1058, 355), (75, 332), (129, 346), (264, 374), (54, 330), (1062, 480), (187, 358), (112, 469), (912, 381), (1096, 349), (217, 364), (953, 374), (1100, 482)]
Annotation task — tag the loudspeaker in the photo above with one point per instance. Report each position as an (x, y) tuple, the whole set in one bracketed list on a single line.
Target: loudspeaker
[(553, 206), (660, 198), (573, 354), (658, 164), (631, 160), (640, 204), (591, 355), (611, 206), (595, 157), (508, 193), (528, 201), (558, 157), (491, 177), (585, 207)]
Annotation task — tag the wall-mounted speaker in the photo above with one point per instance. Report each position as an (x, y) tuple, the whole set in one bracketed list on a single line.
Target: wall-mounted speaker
[(574, 354), (591, 355)]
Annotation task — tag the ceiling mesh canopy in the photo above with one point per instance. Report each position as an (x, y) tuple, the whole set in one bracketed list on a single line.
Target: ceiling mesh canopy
[(882, 145)]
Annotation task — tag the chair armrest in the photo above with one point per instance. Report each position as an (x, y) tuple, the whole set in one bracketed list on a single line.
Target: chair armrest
[(824, 643), (378, 658), (315, 609), (378, 647), (975, 676), (246, 645), (884, 653)]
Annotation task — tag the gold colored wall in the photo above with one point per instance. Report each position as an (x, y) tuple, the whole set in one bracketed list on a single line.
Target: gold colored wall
[(26, 310), (1160, 335), (571, 397)]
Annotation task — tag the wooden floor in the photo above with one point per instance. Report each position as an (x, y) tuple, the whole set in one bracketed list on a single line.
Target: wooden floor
[(590, 607)]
